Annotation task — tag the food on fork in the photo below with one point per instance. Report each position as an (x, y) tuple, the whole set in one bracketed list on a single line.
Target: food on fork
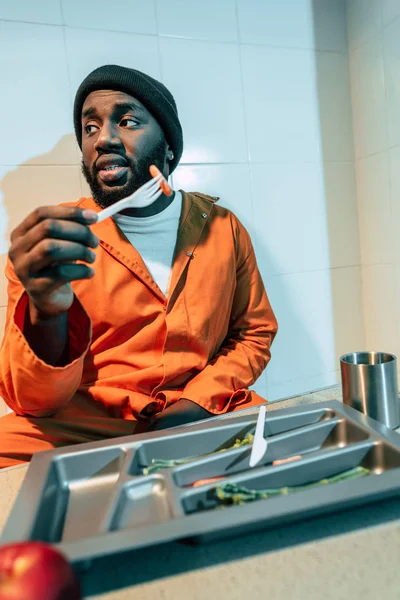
[(164, 185)]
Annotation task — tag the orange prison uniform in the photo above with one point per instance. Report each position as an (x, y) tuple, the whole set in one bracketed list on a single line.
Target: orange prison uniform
[(133, 351)]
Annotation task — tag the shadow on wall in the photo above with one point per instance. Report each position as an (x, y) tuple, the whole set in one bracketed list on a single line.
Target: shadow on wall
[(42, 180)]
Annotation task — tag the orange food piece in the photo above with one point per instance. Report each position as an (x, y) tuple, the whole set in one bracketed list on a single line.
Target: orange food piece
[(285, 460), (164, 185), (206, 481)]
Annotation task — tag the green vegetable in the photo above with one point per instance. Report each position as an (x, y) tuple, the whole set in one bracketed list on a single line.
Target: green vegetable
[(230, 493), (158, 463)]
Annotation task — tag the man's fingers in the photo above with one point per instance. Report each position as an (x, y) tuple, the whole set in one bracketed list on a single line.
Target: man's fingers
[(67, 213), (48, 251), (57, 275), (52, 229), (52, 252)]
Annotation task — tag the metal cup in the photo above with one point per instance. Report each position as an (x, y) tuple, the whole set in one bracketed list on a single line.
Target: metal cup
[(369, 383)]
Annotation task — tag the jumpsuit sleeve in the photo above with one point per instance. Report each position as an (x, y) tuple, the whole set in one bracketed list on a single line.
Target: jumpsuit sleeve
[(28, 385)]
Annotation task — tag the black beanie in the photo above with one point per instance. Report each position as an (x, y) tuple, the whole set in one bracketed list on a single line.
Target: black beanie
[(151, 93)]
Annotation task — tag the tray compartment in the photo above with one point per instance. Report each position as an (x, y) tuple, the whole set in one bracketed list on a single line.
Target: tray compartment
[(306, 471), (193, 444), (331, 433), (142, 502), (382, 457), (48, 521), (76, 493)]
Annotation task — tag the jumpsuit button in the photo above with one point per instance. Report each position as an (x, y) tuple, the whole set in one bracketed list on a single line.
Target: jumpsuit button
[(204, 215)]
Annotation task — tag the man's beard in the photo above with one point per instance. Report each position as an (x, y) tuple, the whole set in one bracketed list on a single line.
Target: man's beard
[(140, 176)]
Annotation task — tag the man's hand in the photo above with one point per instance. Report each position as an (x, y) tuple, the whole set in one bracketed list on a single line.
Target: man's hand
[(182, 412), (44, 251)]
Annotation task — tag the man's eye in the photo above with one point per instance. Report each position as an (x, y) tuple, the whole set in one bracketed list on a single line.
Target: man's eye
[(90, 128), (129, 122)]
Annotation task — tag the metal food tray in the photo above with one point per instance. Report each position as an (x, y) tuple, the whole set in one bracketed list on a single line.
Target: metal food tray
[(93, 500)]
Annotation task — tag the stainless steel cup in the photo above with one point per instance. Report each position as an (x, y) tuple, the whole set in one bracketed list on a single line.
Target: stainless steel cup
[(369, 383)]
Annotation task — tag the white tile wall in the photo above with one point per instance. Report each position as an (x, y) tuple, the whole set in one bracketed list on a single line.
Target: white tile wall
[(210, 108), (368, 97), (270, 76), (266, 121), (305, 347), (86, 50), (381, 308), (45, 11), (266, 22), (390, 10), (374, 209), (334, 102), (391, 36), (330, 27), (347, 316), (36, 108), (261, 386), (364, 19), (191, 19), (289, 204), (395, 312), (302, 385), (128, 15), (293, 23), (231, 183), (342, 214), (394, 168)]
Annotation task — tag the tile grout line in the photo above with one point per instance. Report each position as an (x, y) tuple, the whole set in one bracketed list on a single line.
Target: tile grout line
[(207, 164), (205, 40), (251, 190), (238, 45), (323, 270), (160, 63), (69, 87)]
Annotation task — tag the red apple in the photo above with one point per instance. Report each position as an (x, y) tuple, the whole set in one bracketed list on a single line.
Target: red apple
[(36, 571)]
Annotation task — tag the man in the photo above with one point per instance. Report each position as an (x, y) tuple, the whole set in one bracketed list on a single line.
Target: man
[(155, 318)]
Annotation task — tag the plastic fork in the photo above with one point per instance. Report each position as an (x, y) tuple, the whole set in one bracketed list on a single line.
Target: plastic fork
[(144, 196), (260, 443)]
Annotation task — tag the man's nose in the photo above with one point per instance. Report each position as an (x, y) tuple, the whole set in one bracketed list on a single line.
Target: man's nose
[(108, 137)]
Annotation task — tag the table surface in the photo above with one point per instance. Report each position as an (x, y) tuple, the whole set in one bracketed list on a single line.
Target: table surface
[(349, 555)]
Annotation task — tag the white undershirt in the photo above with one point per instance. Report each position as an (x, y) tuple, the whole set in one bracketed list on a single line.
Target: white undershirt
[(155, 239)]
